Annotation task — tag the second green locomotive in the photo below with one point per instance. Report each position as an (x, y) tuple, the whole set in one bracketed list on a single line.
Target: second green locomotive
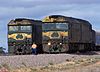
[(22, 33)]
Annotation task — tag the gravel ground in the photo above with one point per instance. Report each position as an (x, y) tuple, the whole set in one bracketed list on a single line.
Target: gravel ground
[(18, 61)]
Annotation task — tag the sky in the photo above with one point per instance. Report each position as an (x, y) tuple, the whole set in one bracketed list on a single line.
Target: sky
[(37, 9)]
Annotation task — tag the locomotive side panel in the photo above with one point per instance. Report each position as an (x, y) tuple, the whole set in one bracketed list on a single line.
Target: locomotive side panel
[(75, 37), (93, 36), (86, 33), (80, 35), (93, 40), (74, 33)]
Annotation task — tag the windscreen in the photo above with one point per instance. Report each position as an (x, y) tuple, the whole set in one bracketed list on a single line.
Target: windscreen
[(55, 26), (25, 28), (13, 28), (20, 28)]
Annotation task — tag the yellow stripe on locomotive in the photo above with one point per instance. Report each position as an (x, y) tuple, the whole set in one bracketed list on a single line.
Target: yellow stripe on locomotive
[(19, 36), (60, 34), (52, 19)]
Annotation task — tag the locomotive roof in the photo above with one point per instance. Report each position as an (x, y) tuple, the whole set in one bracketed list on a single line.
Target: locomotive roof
[(22, 21), (61, 18)]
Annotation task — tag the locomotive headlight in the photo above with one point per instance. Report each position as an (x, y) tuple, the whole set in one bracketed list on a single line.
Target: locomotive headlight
[(60, 43), (49, 43)]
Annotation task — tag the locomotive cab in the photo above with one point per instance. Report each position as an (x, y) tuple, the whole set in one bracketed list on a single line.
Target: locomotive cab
[(55, 36), (22, 33)]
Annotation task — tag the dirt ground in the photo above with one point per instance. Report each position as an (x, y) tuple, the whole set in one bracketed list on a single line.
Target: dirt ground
[(81, 65), (85, 62)]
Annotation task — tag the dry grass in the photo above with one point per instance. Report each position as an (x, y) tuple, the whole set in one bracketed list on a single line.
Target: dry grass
[(81, 65)]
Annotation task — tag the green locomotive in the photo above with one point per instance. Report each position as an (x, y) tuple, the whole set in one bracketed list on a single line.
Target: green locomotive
[(22, 33), (63, 34)]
